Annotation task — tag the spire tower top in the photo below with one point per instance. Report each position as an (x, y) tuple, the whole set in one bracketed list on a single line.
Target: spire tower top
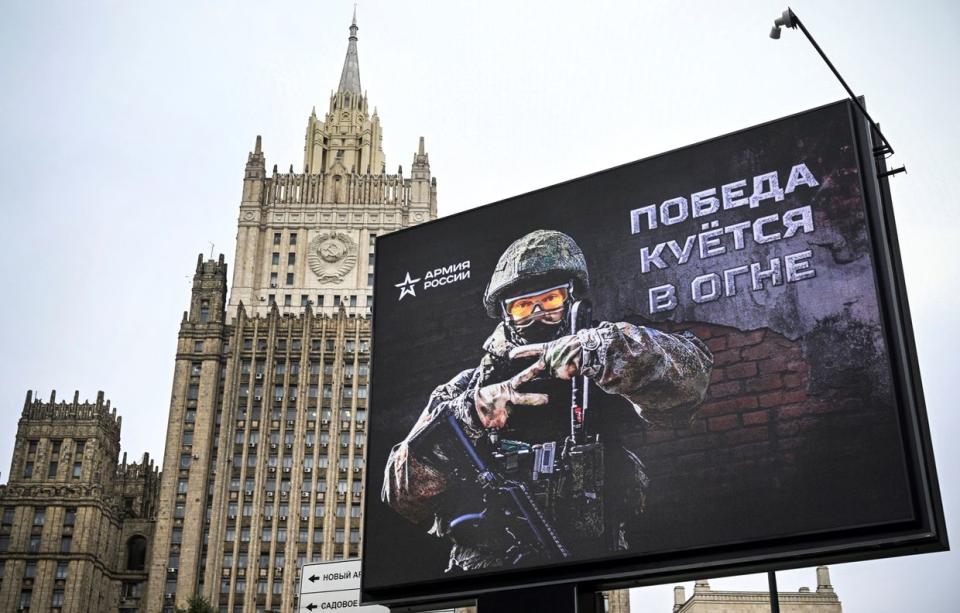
[(350, 77)]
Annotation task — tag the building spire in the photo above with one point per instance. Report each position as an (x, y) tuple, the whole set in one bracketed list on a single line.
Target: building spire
[(350, 77)]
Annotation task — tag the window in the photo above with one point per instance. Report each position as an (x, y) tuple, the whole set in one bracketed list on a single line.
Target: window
[(77, 470), (133, 589), (193, 392), (291, 258), (57, 600), (66, 543), (275, 260), (61, 570), (184, 461), (373, 240), (8, 513), (137, 554), (198, 346), (341, 510), (4, 543), (304, 300), (30, 571), (293, 238), (204, 311), (354, 535), (273, 279), (363, 369), (190, 416), (55, 446), (338, 536), (328, 391), (70, 516), (188, 437), (182, 486), (336, 300), (370, 280), (25, 596), (271, 300), (355, 511), (80, 447), (32, 446), (287, 300), (370, 260), (176, 536), (328, 345), (52, 470), (353, 301), (289, 278), (28, 470), (276, 238), (39, 515)]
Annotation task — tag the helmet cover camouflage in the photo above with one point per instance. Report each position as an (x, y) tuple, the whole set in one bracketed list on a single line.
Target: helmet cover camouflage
[(541, 256)]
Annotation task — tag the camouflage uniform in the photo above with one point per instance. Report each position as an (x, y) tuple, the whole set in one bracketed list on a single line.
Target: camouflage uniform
[(642, 374)]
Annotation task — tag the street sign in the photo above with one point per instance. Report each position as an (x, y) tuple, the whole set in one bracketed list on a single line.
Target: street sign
[(333, 586)]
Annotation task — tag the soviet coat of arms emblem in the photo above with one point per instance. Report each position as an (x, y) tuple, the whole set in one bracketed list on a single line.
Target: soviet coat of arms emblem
[(331, 255)]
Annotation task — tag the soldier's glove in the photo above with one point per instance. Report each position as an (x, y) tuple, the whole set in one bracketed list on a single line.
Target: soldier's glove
[(562, 358), (495, 401)]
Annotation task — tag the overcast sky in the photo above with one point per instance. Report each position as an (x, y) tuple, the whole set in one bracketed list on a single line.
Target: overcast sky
[(124, 128)]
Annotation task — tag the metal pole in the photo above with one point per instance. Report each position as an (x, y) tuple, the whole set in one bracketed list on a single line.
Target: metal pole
[(774, 596), (836, 73)]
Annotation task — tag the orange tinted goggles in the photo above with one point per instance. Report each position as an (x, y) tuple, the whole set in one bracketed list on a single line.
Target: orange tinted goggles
[(524, 306)]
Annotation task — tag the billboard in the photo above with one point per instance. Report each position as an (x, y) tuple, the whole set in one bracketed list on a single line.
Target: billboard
[(697, 362)]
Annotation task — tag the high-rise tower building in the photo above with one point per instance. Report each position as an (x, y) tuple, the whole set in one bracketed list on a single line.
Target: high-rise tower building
[(76, 524), (264, 461)]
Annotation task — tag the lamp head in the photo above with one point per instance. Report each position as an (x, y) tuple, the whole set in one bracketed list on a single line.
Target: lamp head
[(786, 19), (775, 32)]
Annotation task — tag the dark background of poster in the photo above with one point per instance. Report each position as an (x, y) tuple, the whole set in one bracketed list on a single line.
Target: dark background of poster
[(799, 433)]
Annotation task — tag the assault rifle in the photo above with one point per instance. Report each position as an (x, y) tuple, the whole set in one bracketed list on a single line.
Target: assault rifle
[(507, 503)]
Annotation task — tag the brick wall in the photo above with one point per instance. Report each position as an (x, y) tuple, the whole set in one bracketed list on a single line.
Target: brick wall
[(764, 445)]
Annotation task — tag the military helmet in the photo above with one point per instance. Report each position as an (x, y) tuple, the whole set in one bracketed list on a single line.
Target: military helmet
[(541, 256)]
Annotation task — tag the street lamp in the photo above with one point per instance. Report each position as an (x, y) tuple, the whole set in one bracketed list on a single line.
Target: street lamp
[(883, 149)]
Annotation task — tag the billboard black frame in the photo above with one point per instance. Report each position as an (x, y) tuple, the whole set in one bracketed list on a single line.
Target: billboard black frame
[(924, 535)]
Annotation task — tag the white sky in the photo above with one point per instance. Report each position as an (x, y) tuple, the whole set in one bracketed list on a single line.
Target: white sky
[(124, 127)]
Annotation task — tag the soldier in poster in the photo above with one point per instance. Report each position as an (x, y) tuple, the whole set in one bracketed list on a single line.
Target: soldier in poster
[(520, 459)]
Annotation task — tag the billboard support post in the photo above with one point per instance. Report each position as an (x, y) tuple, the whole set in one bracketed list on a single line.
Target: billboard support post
[(774, 595), (567, 598)]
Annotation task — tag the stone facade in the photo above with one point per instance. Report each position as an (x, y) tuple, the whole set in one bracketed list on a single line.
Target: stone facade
[(76, 524), (706, 600), (264, 462), (306, 238)]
